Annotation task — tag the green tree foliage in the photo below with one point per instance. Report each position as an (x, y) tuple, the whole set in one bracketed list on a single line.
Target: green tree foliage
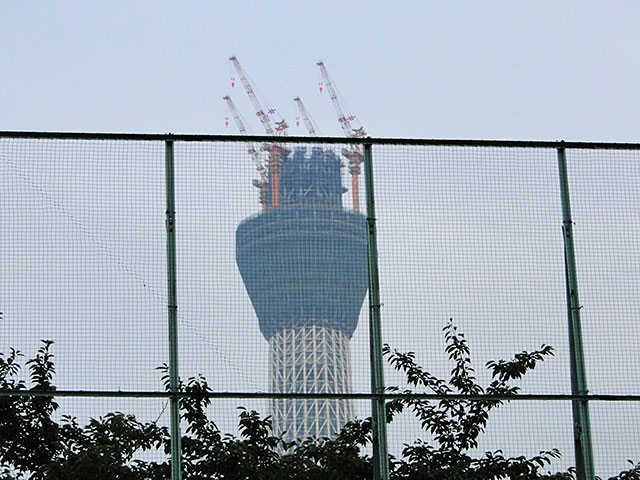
[(34, 445), (456, 424)]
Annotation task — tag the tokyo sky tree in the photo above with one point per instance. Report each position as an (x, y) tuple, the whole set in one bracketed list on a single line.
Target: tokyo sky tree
[(303, 260)]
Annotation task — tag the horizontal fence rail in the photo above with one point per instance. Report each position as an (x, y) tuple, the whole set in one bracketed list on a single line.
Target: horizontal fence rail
[(364, 396), (164, 137)]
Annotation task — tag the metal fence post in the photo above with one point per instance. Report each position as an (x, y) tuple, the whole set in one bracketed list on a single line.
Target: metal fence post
[(581, 425), (176, 470), (378, 413)]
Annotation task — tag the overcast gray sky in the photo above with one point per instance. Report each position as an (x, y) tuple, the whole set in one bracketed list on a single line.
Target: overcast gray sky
[(456, 69), (486, 248)]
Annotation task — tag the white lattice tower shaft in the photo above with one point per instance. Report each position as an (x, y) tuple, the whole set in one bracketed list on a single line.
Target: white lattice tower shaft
[(310, 359)]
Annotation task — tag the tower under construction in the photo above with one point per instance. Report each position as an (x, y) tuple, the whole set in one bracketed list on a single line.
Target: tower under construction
[(303, 260)]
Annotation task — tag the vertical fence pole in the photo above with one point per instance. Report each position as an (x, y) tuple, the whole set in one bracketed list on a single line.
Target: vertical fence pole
[(176, 471), (378, 414), (581, 425)]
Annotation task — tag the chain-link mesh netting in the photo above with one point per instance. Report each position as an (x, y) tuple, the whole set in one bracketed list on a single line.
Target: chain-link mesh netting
[(83, 261), (475, 235), (605, 204), (272, 278)]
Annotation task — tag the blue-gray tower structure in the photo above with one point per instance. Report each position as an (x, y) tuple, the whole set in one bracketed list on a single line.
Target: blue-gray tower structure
[(303, 261)]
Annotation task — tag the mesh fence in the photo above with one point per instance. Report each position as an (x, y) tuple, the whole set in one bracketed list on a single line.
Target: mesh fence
[(605, 201), (83, 260), (272, 280)]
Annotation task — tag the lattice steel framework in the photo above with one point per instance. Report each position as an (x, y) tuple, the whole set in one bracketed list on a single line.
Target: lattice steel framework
[(310, 359)]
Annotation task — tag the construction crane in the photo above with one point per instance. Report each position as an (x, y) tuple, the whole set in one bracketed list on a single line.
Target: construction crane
[(276, 151), (263, 183), (353, 154), (305, 117)]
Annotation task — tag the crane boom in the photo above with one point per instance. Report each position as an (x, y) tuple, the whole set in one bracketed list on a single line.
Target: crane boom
[(344, 119), (240, 124), (236, 114), (261, 184), (305, 117), (264, 118)]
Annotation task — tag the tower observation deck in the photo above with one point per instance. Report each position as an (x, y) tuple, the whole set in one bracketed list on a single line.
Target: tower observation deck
[(304, 265)]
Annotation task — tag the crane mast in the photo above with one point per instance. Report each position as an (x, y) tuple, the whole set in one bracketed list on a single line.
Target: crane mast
[(276, 151), (263, 183), (353, 154), (305, 116)]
